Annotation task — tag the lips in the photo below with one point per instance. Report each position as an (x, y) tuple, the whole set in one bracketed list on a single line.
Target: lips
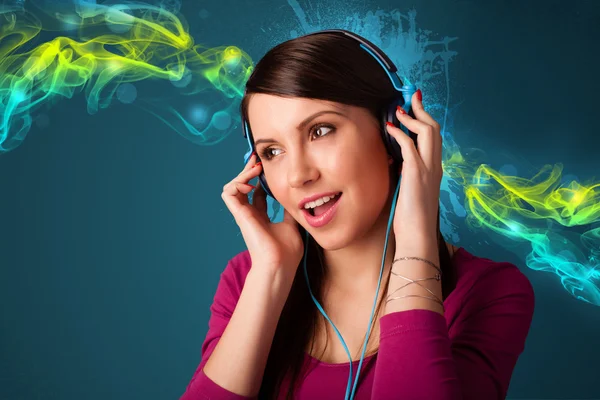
[(326, 217)]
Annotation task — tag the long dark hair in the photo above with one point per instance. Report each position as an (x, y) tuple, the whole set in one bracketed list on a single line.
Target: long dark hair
[(330, 67)]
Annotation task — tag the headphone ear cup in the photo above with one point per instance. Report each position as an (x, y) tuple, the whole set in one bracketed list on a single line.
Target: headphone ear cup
[(389, 115)]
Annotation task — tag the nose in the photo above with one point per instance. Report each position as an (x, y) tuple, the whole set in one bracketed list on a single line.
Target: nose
[(302, 171)]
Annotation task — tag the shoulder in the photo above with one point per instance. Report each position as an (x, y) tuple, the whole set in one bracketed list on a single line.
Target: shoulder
[(487, 281), (235, 272), (239, 264), (230, 285)]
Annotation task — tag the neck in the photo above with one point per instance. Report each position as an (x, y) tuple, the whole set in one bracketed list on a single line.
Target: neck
[(355, 268)]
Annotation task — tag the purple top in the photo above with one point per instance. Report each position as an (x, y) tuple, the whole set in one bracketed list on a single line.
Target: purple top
[(469, 353)]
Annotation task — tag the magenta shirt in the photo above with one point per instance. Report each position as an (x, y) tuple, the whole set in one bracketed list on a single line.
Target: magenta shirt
[(469, 353)]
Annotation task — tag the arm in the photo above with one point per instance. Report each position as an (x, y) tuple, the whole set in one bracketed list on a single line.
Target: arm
[(419, 358), (240, 334)]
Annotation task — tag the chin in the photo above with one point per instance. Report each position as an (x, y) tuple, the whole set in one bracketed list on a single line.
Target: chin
[(332, 242), (332, 239)]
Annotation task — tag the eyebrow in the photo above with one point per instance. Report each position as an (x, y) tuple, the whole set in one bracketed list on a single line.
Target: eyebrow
[(302, 124)]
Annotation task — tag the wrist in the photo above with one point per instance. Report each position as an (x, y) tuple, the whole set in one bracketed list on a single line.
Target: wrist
[(417, 244), (278, 281)]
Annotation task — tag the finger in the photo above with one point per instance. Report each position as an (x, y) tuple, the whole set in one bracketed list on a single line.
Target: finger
[(251, 161), (244, 177), (421, 114), (407, 146), (235, 197), (238, 188), (234, 188), (235, 192), (259, 199), (425, 136), (249, 173)]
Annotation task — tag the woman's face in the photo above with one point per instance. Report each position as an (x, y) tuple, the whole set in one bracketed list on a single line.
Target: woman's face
[(339, 150)]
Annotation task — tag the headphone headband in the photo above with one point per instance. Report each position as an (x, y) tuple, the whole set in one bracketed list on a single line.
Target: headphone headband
[(388, 113), (374, 50)]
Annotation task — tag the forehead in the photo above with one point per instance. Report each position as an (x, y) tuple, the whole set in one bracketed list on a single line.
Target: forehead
[(269, 113)]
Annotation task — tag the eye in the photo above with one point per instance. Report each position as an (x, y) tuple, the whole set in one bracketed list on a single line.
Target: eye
[(320, 126), (266, 154)]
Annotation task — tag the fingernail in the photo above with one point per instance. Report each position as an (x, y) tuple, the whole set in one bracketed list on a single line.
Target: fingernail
[(389, 123), (401, 110), (419, 95), (258, 163), (252, 186)]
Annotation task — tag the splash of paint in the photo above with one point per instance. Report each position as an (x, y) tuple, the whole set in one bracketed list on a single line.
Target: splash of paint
[(116, 46), (511, 208), (122, 44)]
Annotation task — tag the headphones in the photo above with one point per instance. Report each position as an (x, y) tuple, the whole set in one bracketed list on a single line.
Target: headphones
[(388, 114)]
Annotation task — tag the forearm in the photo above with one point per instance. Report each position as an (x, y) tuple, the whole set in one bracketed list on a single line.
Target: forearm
[(415, 270), (239, 359), (425, 368)]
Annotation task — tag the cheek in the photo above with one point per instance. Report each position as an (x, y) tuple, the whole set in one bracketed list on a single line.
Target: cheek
[(366, 181), (340, 168), (369, 161), (372, 180), (277, 183)]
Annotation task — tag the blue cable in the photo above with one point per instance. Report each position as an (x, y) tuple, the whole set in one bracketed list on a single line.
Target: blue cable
[(374, 303)]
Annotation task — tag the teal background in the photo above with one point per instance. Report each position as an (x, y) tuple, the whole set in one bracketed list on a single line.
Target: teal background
[(113, 233)]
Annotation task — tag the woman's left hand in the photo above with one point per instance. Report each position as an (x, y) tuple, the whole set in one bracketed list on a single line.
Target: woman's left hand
[(415, 217)]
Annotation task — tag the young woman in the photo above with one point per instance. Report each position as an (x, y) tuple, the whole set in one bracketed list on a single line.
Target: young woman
[(447, 325)]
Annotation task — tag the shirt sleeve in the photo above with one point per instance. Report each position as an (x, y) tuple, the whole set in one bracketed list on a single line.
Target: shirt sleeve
[(231, 282), (419, 359)]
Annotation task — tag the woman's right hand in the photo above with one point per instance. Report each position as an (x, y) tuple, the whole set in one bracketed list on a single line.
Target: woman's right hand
[(274, 246)]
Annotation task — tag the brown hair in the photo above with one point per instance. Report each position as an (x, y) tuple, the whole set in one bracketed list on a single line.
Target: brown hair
[(332, 67)]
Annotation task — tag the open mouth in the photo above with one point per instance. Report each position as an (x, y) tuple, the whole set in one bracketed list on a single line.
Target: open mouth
[(318, 210)]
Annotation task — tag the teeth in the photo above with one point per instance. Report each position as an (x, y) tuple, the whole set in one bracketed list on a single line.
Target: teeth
[(319, 202)]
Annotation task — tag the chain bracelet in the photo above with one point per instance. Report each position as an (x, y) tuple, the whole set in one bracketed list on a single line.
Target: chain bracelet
[(420, 259), (437, 277)]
